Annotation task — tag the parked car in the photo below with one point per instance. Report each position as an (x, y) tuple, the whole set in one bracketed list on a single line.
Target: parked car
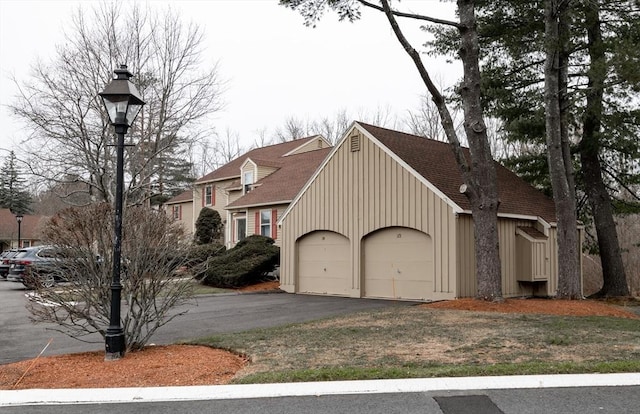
[(5, 258), (33, 266)]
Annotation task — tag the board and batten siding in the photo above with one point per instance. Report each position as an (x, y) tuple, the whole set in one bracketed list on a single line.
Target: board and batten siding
[(509, 259), (359, 192)]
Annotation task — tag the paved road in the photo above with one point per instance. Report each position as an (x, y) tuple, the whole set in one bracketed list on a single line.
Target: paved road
[(587, 400), (20, 339)]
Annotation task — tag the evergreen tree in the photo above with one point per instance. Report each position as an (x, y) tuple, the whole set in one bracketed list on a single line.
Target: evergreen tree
[(208, 226), (12, 188), (600, 104)]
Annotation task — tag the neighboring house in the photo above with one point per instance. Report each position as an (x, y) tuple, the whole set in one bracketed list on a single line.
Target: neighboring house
[(180, 208), (29, 230), (251, 192), (383, 217)]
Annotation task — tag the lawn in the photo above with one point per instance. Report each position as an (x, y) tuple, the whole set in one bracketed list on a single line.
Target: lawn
[(404, 342)]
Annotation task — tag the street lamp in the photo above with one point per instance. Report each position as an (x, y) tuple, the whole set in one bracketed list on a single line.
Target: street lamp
[(123, 102), (19, 218)]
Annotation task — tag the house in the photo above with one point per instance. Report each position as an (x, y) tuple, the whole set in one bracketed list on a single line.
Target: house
[(180, 208), (383, 217), (252, 191), (29, 230)]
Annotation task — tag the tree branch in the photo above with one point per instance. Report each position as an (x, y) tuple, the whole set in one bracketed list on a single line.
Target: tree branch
[(412, 15)]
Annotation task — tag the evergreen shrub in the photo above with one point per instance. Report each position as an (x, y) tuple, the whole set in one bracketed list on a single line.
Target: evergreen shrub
[(247, 263)]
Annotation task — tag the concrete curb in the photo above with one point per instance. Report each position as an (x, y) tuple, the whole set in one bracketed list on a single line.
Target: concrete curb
[(224, 392)]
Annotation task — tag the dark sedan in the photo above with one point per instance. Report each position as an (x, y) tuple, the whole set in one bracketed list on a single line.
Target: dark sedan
[(5, 261), (34, 265)]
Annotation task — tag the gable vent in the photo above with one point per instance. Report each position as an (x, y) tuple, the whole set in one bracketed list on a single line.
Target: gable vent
[(355, 143)]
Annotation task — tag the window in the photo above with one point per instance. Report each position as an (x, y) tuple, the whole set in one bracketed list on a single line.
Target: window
[(241, 229), (265, 223), (208, 196), (247, 180), (26, 243), (177, 212)]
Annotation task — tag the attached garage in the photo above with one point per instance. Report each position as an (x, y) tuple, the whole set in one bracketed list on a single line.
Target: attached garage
[(323, 264), (383, 217), (398, 264)]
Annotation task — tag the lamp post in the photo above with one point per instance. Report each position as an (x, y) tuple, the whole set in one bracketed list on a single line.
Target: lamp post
[(19, 218), (123, 102)]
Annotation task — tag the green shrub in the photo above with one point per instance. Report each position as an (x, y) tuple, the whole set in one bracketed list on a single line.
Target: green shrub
[(247, 263), (198, 254), (208, 227)]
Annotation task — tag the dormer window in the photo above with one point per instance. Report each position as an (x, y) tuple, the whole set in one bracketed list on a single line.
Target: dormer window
[(247, 180)]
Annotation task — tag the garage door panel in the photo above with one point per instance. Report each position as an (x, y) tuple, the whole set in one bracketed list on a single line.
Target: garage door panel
[(398, 264), (324, 265)]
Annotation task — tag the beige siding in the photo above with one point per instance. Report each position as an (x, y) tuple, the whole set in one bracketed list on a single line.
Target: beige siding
[(509, 259), (251, 221), (263, 172), (363, 191), (466, 257), (312, 145), (221, 200)]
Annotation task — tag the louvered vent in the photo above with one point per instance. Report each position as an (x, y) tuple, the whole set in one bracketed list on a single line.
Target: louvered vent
[(355, 143)]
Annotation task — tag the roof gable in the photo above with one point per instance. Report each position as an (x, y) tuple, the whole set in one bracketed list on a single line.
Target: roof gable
[(433, 163), (283, 185), (434, 160), (261, 156)]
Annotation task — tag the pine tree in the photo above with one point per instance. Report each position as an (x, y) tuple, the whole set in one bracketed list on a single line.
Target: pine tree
[(12, 188)]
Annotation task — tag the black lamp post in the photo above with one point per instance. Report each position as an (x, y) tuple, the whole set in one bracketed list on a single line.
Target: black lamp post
[(123, 102), (19, 218)]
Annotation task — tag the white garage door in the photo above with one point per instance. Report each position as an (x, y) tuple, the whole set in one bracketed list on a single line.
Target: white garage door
[(323, 264), (398, 264)]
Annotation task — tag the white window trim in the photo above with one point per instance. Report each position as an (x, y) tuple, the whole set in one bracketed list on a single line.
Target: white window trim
[(236, 237), (268, 225), (210, 195)]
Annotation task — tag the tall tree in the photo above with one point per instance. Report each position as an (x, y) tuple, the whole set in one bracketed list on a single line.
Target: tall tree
[(480, 184), (560, 168), (13, 194), (71, 135), (614, 277), (601, 106)]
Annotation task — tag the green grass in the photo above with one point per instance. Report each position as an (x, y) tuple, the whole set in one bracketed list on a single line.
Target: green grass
[(400, 372), (409, 342)]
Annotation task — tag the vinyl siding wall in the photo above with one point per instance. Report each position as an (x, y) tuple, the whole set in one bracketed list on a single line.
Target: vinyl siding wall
[(359, 192), (508, 256)]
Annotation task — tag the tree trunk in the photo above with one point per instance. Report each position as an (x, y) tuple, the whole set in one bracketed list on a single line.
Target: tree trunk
[(484, 200), (569, 286), (480, 178), (615, 281)]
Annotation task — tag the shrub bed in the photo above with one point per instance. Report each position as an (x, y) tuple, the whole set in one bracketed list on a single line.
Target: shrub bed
[(247, 263)]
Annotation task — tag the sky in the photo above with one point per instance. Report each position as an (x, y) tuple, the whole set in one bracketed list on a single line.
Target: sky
[(275, 67)]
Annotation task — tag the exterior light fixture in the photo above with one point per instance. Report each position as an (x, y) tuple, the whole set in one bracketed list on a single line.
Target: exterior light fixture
[(123, 103)]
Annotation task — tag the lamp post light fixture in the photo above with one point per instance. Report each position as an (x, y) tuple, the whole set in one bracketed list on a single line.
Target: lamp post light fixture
[(123, 103), (19, 218)]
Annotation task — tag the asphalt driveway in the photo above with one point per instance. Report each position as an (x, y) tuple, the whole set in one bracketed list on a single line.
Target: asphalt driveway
[(21, 339)]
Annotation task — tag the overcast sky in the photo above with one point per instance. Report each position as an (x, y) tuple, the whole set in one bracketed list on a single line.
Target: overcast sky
[(275, 66)]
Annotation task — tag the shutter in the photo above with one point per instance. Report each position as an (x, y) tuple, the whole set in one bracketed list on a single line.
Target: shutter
[(180, 212), (257, 224), (213, 195), (204, 190), (274, 228)]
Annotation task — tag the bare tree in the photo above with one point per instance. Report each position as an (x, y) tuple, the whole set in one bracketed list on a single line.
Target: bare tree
[(153, 246), (71, 135), (478, 173)]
